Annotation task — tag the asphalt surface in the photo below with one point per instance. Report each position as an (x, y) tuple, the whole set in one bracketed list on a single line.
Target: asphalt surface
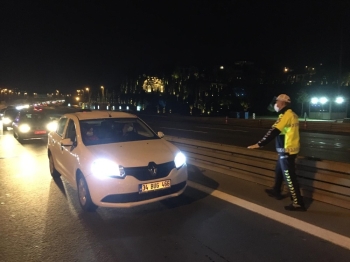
[(226, 220)]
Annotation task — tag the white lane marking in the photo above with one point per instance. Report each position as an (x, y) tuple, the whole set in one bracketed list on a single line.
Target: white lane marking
[(231, 130), (319, 232), (183, 129)]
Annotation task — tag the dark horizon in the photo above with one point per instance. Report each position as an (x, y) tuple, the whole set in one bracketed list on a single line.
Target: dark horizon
[(69, 45)]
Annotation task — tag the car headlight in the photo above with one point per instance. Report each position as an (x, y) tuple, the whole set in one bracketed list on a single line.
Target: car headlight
[(6, 120), (179, 160), (107, 168), (52, 126), (24, 128)]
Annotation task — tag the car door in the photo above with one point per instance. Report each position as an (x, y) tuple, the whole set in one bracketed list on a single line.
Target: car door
[(55, 144), (69, 156)]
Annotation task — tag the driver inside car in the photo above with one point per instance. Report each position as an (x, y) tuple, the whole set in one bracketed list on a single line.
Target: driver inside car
[(127, 128), (89, 135)]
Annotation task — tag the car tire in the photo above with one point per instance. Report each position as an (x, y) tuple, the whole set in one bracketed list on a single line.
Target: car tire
[(17, 136), (84, 195), (54, 173)]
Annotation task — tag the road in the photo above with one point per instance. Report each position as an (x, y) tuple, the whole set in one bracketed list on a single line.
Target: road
[(315, 145), (218, 218)]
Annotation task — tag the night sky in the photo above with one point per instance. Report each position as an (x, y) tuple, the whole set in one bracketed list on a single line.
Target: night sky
[(66, 45)]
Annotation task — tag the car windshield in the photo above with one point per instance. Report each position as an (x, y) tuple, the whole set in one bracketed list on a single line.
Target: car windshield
[(11, 113), (114, 130), (34, 117)]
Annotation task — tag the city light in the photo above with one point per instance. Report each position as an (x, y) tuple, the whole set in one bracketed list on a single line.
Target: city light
[(328, 108), (314, 100), (323, 100), (153, 84), (339, 100)]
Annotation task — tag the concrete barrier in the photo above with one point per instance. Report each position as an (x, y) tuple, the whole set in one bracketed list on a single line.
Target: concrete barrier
[(325, 181), (308, 125)]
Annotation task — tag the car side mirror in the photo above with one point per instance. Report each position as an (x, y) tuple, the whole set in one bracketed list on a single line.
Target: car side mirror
[(66, 142), (160, 134)]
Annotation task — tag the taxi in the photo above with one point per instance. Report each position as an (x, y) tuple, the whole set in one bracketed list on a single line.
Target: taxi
[(114, 159)]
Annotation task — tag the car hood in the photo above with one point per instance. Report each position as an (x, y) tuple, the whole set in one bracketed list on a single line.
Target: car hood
[(136, 153)]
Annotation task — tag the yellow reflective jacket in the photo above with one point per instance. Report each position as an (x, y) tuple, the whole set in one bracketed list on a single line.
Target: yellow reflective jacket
[(286, 132)]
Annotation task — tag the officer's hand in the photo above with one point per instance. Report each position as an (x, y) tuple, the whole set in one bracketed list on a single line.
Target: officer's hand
[(254, 146)]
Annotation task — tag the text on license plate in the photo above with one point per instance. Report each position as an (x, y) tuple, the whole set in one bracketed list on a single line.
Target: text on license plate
[(40, 132), (154, 186)]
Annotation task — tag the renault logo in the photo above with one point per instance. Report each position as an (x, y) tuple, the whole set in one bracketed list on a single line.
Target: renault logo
[(152, 168)]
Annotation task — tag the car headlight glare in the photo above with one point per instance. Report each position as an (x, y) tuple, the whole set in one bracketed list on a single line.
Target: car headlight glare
[(52, 126), (180, 160), (106, 168), (6, 120), (24, 128)]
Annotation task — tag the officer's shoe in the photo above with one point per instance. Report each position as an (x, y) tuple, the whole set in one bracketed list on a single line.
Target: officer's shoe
[(293, 207), (273, 193)]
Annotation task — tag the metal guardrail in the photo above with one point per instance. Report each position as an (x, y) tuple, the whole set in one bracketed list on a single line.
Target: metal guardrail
[(325, 181)]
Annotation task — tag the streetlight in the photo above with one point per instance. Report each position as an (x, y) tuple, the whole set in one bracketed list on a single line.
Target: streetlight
[(103, 94), (88, 94)]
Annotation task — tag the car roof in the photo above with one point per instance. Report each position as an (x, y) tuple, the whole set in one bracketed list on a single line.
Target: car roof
[(11, 110), (100, 115)]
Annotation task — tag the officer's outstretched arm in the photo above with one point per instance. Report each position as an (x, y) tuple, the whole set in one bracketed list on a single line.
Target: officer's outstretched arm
[(270, 135)]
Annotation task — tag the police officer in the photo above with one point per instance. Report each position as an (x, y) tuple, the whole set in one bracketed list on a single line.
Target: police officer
[(286, 132)]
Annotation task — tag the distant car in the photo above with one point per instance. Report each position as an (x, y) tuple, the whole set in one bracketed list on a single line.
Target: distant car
[(8, 116), (32, 124), (114, 159)]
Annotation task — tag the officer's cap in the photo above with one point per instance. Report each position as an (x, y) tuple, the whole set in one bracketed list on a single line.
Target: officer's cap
[(284, 98)]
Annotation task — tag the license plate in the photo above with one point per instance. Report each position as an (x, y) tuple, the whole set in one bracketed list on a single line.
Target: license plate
[(143, 188), (38, 132)]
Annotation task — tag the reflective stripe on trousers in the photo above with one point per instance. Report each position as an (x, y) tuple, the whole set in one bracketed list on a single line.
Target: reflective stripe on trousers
[(285, 169)]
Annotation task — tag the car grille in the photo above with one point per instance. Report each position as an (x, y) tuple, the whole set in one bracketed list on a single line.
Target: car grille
[(143, 174), (137, 197)]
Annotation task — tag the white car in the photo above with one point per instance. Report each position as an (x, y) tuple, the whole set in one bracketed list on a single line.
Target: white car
[(114, 159)]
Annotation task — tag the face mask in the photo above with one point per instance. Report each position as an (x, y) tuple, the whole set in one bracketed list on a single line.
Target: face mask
[(89, 133), (276, 108)]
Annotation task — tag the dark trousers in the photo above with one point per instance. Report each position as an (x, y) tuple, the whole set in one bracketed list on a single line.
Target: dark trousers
[(285, 170)]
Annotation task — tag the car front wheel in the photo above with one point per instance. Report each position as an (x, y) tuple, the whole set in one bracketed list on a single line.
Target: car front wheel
[(54, 173), (17, 136), (84, 195)]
